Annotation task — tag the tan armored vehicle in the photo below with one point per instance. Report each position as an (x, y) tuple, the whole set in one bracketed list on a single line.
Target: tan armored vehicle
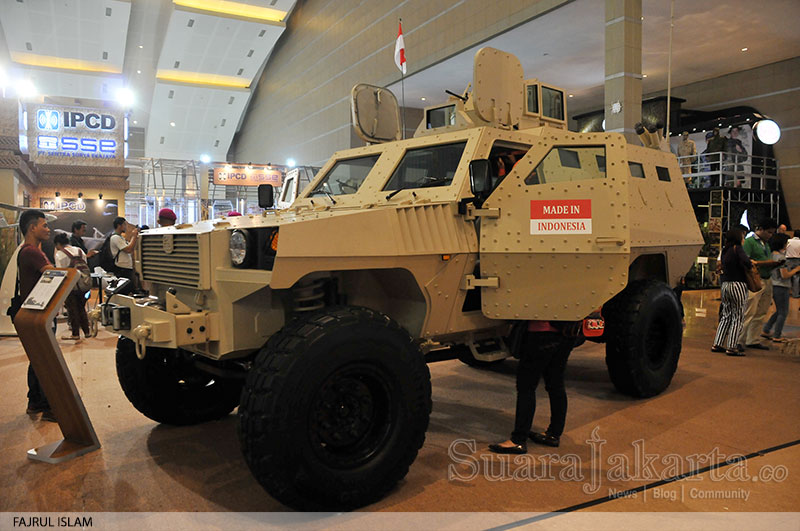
[(317, 320)]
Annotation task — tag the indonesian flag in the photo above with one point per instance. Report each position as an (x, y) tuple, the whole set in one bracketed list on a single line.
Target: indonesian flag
[(400, 50)]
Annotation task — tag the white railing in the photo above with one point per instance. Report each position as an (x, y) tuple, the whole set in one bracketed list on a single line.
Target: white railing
[(729, 170)]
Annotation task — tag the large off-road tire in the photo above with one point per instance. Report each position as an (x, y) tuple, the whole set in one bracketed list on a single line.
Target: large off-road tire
[(335, 409), (643, 337), (166, 387)]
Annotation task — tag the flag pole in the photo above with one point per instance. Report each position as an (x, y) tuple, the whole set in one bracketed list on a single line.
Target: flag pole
[(403, 91)]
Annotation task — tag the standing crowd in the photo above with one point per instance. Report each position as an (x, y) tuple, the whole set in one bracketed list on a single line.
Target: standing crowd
[(771, 260)]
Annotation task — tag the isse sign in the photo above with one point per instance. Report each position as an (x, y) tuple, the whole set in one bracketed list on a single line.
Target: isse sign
[(58, 134), (247, 176)]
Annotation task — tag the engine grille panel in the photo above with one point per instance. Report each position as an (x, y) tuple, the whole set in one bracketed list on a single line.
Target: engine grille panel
[(180, 266)]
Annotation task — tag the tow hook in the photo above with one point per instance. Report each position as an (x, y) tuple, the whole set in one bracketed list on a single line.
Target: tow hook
[(140, 334)]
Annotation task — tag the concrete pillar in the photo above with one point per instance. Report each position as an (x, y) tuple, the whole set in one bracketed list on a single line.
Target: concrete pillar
[(623, 81)]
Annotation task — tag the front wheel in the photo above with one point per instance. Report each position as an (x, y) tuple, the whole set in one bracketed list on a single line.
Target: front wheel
[(335, 409), (644, 332), (166, 386)]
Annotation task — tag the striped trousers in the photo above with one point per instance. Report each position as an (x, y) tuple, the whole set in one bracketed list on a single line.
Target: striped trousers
[(734, 299)]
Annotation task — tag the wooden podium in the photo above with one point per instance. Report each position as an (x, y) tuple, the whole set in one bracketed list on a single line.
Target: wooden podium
[(35, 331)]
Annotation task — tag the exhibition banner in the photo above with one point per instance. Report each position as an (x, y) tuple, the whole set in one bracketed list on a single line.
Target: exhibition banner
[(75, 136), (247, 176)]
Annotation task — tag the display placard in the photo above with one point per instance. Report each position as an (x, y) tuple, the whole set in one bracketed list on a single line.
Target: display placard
[(44, 290)]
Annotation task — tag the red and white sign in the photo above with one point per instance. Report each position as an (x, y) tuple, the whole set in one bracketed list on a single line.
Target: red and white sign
[(561, 216)]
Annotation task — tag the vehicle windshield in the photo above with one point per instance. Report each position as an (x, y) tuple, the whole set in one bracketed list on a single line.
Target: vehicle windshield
[(426, 167), (346, 176)]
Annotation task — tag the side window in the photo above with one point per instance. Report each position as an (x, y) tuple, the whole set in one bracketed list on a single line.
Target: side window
[(346, 176), (573, 163), (552, 103), (502, 159), (663, 174), (533, 99), (427, 167), (637, 170)]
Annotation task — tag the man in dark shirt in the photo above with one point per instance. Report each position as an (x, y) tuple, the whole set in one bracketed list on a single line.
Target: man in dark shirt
[(31, 263), (78, 231)]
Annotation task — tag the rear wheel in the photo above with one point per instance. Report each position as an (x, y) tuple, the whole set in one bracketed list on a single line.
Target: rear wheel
[(166, 386), (643, 337), (335, 409)]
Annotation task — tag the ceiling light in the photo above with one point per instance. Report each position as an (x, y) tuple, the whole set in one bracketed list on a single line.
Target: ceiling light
[(26, 89), (140, 46), (172, 124), (571, 95), (744, 49), (644, 75), (205, 159), (291, 163), (62, 63), (236, 9), (135, 122), (423, 99), (138, 71), (767, 131), (125, 97), (201, 78)]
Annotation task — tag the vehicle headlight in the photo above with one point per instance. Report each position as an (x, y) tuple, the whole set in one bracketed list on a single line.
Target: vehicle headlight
[(240, 248)]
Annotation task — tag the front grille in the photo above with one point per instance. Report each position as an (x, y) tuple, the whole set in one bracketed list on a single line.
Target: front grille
[(181, 267)]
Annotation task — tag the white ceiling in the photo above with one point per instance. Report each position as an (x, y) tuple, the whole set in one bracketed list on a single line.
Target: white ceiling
[(566, 47), (141, 37)]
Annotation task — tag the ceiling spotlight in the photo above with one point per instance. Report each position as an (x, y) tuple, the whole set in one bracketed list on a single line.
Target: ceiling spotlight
[(571, 95), (291, 163), (205, 159), (26, 89), (80, 197), (99, 196), (172, 124), (58, 194), (744, 49), (135, 122), (767, 131), (423, 99), (140, 46), (125, 97), (644, 75), (138, 71), (603, 125)]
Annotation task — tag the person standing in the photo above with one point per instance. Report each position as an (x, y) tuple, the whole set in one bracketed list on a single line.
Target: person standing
[(166, 217), (122, 251), (758, 303), (76, 240), (715, 148), (733, 293), (31, 263), (544, 353), (781, 285), (688, 149), (75, 302), (793, 260)]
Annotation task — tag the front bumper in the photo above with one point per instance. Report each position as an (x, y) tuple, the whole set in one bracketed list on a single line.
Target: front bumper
[(159, 328)]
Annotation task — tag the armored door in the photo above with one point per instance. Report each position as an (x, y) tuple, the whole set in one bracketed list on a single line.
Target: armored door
[(555, 233)]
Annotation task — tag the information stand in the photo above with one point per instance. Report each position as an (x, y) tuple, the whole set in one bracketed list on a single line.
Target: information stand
[(35, 331)]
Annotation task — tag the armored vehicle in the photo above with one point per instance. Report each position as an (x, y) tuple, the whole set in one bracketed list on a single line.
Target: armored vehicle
[(316, 321)]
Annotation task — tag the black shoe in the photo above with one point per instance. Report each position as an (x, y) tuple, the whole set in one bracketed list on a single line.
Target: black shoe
[(732, 352), (717, 348), (48, 416), (758, 346), (36, 408), (516, 449), (545, 439)]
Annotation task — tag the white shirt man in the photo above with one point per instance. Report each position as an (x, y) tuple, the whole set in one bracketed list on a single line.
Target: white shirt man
[(123, 258)]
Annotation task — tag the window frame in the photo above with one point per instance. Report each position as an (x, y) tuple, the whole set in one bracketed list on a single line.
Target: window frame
[(319, 182), (405, 152)]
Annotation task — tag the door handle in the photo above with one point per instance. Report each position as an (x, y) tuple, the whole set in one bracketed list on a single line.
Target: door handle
[(609, 240)]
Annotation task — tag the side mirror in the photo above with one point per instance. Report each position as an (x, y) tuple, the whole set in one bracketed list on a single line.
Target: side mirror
[(480, 183), (266, 195)]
